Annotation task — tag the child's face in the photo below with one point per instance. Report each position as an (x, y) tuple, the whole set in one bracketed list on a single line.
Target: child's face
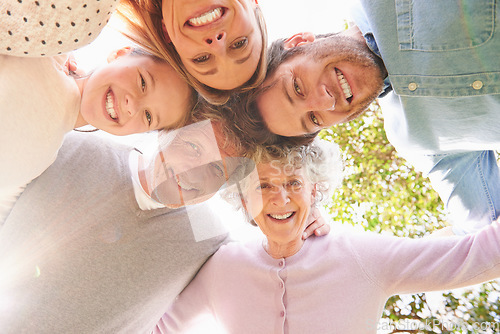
[(218, 41), (133, 94)]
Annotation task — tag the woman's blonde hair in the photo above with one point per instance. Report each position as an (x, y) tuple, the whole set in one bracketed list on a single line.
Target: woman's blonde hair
[(144, 26)]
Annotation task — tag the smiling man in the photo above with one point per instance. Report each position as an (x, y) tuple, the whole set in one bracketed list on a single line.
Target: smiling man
[(441, 61), (313, 87)]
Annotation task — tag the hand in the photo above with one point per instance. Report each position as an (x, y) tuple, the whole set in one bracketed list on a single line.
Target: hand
[(317, 225), (72, 66)]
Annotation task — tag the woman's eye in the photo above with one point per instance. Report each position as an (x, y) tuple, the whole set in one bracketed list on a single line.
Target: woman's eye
[(239, 44), (294, 183), (201, 59), (297, 88), (149, 117), (314, 119), (143, 83)]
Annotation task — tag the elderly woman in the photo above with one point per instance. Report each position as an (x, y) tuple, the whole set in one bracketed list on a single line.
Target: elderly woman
[(341, 282)]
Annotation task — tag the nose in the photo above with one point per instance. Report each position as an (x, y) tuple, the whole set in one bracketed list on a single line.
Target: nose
[(217, 40), (322, 100), (280, 197), (131, 105)]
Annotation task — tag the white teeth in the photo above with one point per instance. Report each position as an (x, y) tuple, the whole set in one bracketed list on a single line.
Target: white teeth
[(281, 217), (206, 18), (344, 84), (109, 106)]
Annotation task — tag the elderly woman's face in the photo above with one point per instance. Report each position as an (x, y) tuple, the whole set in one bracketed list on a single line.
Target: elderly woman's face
[(279, 199), (218, 41)]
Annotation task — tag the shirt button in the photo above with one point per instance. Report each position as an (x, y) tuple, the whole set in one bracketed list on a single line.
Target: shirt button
[(280, 263), (281, 285), (477, 85), (412, 86), (282, 314)]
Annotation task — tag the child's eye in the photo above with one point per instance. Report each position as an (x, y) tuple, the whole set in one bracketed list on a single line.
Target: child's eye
[(149, 117), (297, 88), (143, 83), (314, 119)]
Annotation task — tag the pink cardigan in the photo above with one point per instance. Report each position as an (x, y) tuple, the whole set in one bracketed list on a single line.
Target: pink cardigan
[(339, 283)]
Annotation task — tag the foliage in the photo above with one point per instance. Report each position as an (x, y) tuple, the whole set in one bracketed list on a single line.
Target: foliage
[(382, 193)]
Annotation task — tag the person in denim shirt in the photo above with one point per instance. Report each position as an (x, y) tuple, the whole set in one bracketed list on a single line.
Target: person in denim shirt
[(441, 60)]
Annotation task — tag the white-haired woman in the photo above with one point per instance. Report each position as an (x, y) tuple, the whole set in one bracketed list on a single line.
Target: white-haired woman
[(338, 283)]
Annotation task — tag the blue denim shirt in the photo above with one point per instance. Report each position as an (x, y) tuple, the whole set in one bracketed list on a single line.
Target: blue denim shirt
[(443, 63)]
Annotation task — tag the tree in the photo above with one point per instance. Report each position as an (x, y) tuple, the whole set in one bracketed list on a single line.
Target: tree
[(382, 193)]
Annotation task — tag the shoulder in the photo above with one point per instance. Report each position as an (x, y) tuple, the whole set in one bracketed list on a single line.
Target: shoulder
[(41, 28)]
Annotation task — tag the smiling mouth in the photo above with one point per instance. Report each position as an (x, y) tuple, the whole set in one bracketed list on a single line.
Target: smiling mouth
[(346, 88), (281, 217), (206, 18), (110, 109)]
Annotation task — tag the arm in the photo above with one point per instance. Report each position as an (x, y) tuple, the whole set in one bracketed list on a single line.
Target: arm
[(191, 309), (41, 28), (403, 265)]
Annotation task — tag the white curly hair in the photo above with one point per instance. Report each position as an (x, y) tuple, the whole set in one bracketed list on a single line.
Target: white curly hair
[(321, 160)]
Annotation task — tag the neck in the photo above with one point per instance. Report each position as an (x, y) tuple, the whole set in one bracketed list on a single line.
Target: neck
[(80, 121), (278, 250)]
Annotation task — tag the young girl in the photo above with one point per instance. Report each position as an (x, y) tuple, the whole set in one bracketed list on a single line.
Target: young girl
[(217, 46), (135, 92)]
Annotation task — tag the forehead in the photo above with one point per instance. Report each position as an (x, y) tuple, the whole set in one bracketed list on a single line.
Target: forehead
[(275, 170)]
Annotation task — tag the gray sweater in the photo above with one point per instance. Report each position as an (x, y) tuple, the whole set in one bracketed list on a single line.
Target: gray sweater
[(77, 255)]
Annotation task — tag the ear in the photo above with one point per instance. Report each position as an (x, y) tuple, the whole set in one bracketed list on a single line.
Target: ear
[(165, 32), (299, 39), (314, 192), (118, 53)]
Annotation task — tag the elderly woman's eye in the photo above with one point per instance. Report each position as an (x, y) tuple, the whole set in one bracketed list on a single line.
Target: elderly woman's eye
[(314, 119), (201, 59), (240, 43), (294, 183)]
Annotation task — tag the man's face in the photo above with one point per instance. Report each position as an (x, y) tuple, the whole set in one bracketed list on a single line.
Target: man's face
[(189, 167), (331, 82)]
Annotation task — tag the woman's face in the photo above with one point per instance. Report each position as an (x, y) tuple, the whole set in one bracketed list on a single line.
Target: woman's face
[(279, 199), (133, 94), (219, 41)]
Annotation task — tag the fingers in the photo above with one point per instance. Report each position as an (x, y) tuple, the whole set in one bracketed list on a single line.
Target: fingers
[(318, 226)]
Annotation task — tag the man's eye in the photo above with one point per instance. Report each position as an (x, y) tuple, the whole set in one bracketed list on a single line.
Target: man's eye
[(297, 88), (201, 59), (240, 43), (219, 171), (195, 147), (149, 117), (314, 119), (143, 83)]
